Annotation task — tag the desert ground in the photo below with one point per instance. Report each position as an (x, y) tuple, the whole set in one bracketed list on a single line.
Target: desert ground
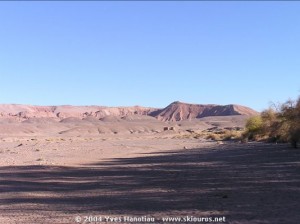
[(76, 169)]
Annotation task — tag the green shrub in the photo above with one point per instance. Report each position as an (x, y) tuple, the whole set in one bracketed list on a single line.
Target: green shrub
[(254, 124), (253, 127)]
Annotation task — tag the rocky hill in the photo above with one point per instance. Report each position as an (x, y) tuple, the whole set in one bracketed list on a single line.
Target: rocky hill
[(178, 111)]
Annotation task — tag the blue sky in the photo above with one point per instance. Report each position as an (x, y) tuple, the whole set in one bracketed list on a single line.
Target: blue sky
[(149, 53)]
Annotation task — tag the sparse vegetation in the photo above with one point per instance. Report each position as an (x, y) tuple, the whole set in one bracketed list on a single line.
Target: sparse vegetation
[(213, 134), (280, 124)]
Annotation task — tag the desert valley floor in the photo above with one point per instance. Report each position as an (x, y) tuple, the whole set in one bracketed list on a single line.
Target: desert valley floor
[(143, 172)]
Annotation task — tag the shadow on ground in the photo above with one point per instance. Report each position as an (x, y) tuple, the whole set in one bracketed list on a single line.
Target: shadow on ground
[(246, 183)]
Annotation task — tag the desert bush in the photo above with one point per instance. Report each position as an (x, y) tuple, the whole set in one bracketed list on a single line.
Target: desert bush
[(290, 113), (276, 125)]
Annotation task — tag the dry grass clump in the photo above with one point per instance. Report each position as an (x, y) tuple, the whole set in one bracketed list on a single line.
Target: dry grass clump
[(224, 135), (215, 134), (188, 134)]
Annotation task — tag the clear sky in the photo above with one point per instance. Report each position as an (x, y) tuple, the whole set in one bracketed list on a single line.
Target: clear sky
[(149, 53)]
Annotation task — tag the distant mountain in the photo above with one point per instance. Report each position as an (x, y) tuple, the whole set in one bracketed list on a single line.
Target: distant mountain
[(21, 112), (176, 111)]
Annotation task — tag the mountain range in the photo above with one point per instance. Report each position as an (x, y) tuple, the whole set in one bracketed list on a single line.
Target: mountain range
[(176, 111)]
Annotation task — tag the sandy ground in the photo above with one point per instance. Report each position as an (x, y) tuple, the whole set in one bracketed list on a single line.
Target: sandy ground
[(55, 180)]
